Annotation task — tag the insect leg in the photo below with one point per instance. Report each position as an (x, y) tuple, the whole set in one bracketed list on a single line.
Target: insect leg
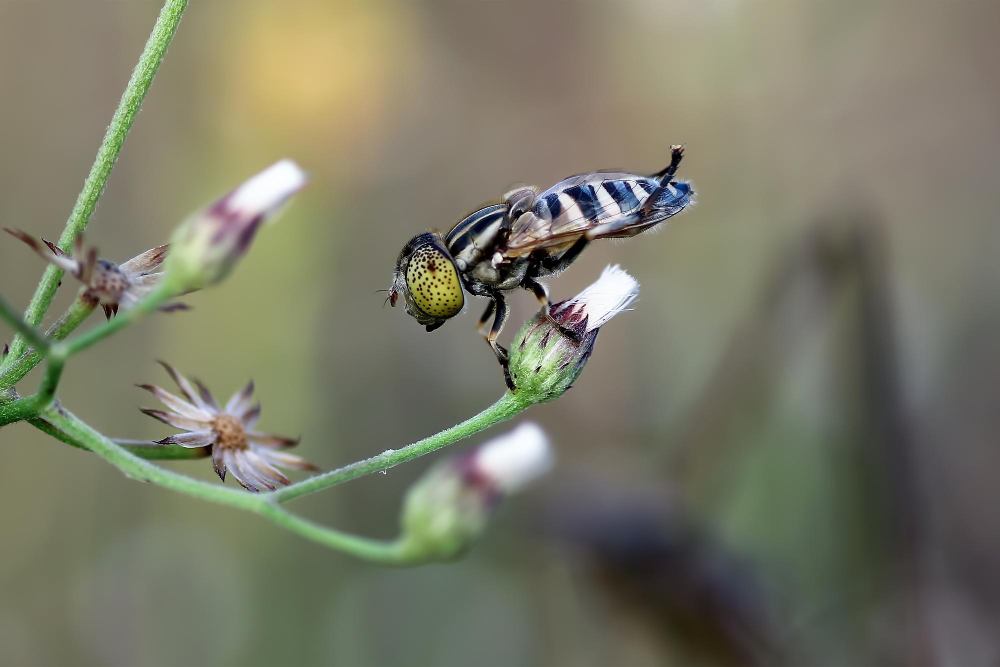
[(490, 308), (500, 305), (676, 154), (562, 263), (542, 294), (540, 291), (501, 318)]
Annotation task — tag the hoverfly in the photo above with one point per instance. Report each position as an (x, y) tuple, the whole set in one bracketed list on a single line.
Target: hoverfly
[(526, 236)]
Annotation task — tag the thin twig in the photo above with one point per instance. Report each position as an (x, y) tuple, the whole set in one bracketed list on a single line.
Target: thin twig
[(27, 331), (107, 155)]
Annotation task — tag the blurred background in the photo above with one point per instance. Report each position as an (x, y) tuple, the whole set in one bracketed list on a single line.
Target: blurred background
[(786, 454)]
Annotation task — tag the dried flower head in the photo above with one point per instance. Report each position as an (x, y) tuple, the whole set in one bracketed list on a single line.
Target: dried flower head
[(210, 243), (545, 362), (112, 285), (252, 457), (448, 509)]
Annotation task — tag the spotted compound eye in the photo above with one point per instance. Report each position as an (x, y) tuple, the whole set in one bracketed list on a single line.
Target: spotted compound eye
[(434, 283)]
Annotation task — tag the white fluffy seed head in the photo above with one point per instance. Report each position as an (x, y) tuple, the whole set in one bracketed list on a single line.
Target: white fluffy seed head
[(611, 294), (515, 459), (268, 190)]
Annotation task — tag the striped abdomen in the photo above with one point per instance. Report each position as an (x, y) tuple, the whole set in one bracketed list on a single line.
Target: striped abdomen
[(595, 198), (601, 205)]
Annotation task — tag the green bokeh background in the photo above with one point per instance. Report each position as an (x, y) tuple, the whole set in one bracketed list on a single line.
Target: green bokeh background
[(752, 418)]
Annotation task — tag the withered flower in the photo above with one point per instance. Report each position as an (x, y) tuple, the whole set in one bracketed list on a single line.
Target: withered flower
[(112, 285), (252, 457)]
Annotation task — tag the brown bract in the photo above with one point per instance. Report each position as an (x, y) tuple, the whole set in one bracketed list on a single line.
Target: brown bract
[(112, 285), (253, 458)]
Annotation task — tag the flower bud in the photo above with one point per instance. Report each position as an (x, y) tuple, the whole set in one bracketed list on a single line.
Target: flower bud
[(544, 361), (448, 509), (206, 247)]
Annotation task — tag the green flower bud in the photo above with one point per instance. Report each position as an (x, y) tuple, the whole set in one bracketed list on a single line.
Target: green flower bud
[(207, 247), (544, 361), (447, 510)]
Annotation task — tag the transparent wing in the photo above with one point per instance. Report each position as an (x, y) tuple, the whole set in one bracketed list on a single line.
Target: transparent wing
[(598, 205)]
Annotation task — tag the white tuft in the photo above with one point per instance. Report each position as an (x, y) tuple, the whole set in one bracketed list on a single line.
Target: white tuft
[(513, 460), (613, 292), (269, 189)]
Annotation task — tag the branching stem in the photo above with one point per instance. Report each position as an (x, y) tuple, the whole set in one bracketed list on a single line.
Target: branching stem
[(107, 155), (70, 429), (508, 406), (163, 293), (45, 413), (142, 449), (26, 331), (64, 326)]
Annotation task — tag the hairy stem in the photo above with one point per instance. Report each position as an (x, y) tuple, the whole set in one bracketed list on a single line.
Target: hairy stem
[(163, 293), (137, 468), (58, 354), (142, 450), (18, 410), (24, 330), (64, 426), (28, 408), (386, 553), (107, 155), (508, 406), (64, 326), (50, 381)]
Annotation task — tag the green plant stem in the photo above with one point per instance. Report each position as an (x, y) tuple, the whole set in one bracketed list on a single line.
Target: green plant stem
[(145, 451), (64, 326), (48, 416), (140, 469), (386, 553), (263, 504), (25, 330), (58, 354), (27, 408), (107, 155), (50, 381), (509, 405), (18, 410), (64, 426), (163, 293)]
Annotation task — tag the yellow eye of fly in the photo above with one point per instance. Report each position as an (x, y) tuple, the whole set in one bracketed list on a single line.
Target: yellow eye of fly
[(434, 283)]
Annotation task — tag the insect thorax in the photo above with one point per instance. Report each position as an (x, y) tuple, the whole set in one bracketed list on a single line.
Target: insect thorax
[(473, 244)]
